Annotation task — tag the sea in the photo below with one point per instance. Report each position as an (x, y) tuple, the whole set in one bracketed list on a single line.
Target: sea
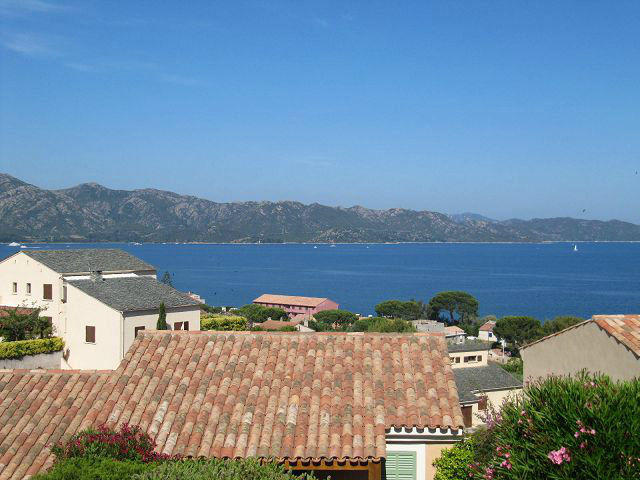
[(541, 280)]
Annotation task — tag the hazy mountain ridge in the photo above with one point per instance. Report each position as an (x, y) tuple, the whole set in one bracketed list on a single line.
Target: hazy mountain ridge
[(92, 212)]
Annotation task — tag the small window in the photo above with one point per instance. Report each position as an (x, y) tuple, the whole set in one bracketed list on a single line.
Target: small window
[(457, 359), (470, 359), (64, 293), (185, 326), (137, 330), (479, 358), (14, 288), (90, 334), (28, 289), (467, 415), (490, 334), (47, 291), (177, 326)]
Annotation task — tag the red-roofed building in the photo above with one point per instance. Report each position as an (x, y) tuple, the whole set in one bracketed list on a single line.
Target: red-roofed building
[(608, 344), (486, 332), (295, 306)]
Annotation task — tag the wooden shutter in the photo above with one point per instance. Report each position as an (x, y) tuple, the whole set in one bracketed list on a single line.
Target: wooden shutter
[(467, 416), (47, 291), (400, 466), (90, 334)]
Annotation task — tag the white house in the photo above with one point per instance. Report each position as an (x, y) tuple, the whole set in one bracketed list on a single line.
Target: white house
[(97, 299), (486, 332)]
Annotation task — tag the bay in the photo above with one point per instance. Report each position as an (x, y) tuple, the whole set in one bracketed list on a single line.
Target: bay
[(541, 280)]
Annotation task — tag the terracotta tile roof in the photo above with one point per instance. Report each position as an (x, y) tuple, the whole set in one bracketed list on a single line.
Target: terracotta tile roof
[(453, 330), (289, 300), (241, 394), (488, 326), (624, 328), (277, 324)]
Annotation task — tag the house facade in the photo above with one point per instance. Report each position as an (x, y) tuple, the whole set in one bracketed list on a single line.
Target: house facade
[(296, 306), (486, 332), (455, 334), (97, 300), (608, 344), (350, 405), (471, 353)]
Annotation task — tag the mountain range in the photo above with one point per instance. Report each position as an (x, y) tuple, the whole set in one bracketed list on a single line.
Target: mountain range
[(92, 213)]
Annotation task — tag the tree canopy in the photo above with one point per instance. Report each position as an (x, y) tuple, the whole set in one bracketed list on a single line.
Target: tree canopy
[(15, 326), (338, 318), (518, 330), (560, 323), (460, 307), (409, 310), (383, 325), (166, 279), (257, 313)]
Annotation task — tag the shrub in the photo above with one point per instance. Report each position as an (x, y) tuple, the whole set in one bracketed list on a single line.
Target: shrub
[(454, 462), (223, 322), (94, 469), (30, 347), (566, 428), (129, 443), (162, 318), (385, 325), (514, 366), (217, 469)]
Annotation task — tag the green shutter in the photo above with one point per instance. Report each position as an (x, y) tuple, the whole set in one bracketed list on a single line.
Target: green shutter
[(400, 466)]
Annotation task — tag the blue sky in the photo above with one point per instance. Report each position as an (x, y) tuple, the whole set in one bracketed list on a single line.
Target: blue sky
[(506, 108)]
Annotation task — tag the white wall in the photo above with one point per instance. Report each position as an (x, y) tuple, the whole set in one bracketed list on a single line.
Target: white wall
[(483, 363), (149, 320), (83, 310)]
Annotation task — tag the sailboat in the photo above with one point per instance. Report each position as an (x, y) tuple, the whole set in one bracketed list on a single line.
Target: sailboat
[(14, 244), (575, 247)]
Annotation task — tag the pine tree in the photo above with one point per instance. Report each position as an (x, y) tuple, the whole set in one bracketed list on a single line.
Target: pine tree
[(162, 318), (166, 279)]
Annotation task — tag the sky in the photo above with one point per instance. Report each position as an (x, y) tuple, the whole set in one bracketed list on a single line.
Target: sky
[(506, 108)]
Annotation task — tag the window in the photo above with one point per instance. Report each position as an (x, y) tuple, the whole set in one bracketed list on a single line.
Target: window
[(47, 291), (490, 334), (471, 359), (185, 326), (177, 326), (90, 334), (400, 465), (136, 330), (28, 289), (64, 294), (482, 404), (14, 288)]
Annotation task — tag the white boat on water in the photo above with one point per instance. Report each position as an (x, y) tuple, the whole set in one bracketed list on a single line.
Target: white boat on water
[(23, 246), (575, 247), (14, 244)]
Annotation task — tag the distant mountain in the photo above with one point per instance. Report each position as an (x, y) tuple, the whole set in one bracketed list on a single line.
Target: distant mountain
[(464, 217), (93, 213)]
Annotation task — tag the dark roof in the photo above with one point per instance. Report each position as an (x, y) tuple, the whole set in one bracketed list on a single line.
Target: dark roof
[(133, 293), (469, 346), (83, 260), (490, 377), (292, 396)]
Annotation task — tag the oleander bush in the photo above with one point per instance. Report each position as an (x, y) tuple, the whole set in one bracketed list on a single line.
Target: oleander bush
[(127, 443), (584, 427), (94, 469), (454, 462), (223, 322), (250, 469), (20, 348)]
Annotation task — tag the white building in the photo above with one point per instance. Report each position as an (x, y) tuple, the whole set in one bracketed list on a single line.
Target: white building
[(97, 299), (486, 332)]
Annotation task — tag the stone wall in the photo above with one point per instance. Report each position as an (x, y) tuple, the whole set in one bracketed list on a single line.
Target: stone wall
[(30, 362)]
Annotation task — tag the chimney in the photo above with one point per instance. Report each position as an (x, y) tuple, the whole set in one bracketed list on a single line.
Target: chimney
[(96, 276)]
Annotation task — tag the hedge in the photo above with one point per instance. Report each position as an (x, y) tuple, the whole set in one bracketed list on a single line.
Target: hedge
[(22, 348), (94, 469), (223, 322)]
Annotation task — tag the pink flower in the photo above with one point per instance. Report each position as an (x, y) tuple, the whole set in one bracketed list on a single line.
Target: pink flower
[(559, 456), (583, 444)]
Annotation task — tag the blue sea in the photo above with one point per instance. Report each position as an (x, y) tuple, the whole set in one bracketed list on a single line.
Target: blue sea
[(541, 280)]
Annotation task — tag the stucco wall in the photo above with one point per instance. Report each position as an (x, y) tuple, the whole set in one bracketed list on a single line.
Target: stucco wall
[(83, 310), (149, 320), (22, 269), (434, 450), (483, 363), (586, 346), (42, 360)]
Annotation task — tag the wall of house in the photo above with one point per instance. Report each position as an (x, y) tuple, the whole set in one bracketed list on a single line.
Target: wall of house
[(83, 310), (586, 346), (23, 269), (30, 362), (487, 336), (326, 305), (426, 452), (434, 450), (149, 320), (461, 355)]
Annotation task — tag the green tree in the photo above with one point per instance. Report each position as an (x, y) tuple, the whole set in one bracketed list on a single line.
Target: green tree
[(453, 463), (560, 323), (17, 326), (409, 310), (162, 318), (518, 331), (461, 307), (337, 318), (383, 325), (166, 279), (257, 313)]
